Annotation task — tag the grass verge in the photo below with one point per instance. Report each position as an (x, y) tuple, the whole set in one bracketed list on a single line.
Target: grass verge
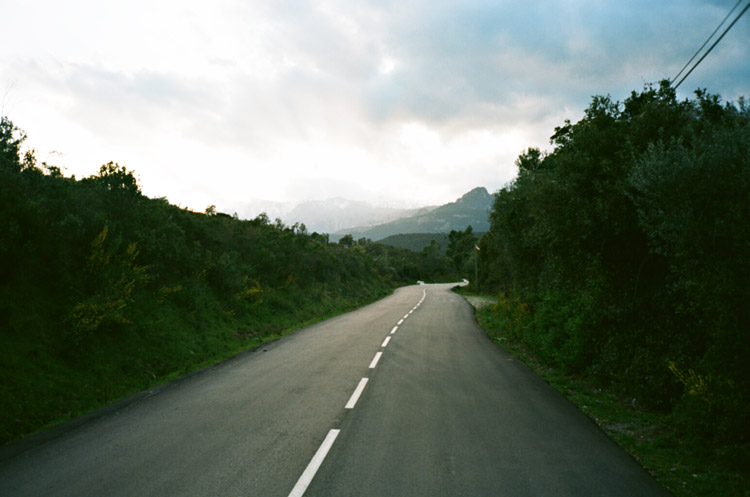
[(682, 466), (46, 384)]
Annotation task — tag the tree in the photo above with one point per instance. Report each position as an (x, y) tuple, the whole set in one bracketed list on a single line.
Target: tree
[(11, 139), (626, 246), (347, 241), (529, 161), (460, 247), (432, 250), (115, 177)]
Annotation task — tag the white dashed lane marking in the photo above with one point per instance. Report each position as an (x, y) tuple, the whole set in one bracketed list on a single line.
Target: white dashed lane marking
[(320, 455), (315, 462), (375, 360), (357, 392)]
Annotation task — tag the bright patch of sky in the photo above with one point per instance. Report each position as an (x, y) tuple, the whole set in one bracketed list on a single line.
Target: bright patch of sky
[(394, 102)]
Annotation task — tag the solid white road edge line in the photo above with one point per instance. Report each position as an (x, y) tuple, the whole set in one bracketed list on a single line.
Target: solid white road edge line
[(315, 462), (355, 396), (375, 360), (385, 342)]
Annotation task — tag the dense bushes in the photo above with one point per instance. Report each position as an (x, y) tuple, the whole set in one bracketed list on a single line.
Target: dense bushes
[(624, 254), (104, 291)]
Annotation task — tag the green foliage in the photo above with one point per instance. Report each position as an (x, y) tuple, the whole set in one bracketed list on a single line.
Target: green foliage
[(11, 139), (104, 291), (346, 241), (417, 241), (626, 247), (109, 280), (117, 178), (461, 248), (684, 465)]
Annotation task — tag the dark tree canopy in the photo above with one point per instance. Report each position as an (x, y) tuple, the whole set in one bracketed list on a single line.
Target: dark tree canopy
[(624, 253)]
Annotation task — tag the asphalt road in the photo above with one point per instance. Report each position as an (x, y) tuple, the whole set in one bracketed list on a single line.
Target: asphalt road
[(443, 411)]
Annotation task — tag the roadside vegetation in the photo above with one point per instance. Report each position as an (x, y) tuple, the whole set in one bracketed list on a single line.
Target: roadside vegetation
[(105, 292), (651, 436), (620, 261)]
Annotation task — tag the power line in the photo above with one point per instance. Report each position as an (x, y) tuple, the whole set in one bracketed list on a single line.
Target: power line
[(712, 46), (707, 40)]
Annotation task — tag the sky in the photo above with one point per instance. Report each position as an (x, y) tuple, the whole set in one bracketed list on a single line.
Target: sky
[(394, 102)]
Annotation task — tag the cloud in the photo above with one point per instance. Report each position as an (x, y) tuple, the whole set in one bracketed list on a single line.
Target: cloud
[(461, 56), (297, 99)]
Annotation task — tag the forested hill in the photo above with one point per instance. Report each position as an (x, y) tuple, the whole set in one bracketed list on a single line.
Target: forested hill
[(418, 241), (472, 209), (104, 292)]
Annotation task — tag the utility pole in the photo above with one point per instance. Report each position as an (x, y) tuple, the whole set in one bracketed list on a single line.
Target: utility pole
[(476, 266)]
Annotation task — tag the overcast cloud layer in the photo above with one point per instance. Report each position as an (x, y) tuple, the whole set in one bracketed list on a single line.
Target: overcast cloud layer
[(406, 102)]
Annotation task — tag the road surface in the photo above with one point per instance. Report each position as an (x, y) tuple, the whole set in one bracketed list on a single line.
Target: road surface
[(404, 397)]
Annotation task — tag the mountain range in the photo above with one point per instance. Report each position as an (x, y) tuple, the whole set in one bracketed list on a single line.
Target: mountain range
[(333, 215), (339, 216), (471, 209), (323, 216)]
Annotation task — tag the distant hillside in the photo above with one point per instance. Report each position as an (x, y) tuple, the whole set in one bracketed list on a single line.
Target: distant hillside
[(332, 215), (471, 209), (418, 241), (250, 209), (322, 216)]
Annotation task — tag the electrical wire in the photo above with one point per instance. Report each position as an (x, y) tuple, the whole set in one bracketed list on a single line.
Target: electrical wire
[(712, 46), (707, 40)]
